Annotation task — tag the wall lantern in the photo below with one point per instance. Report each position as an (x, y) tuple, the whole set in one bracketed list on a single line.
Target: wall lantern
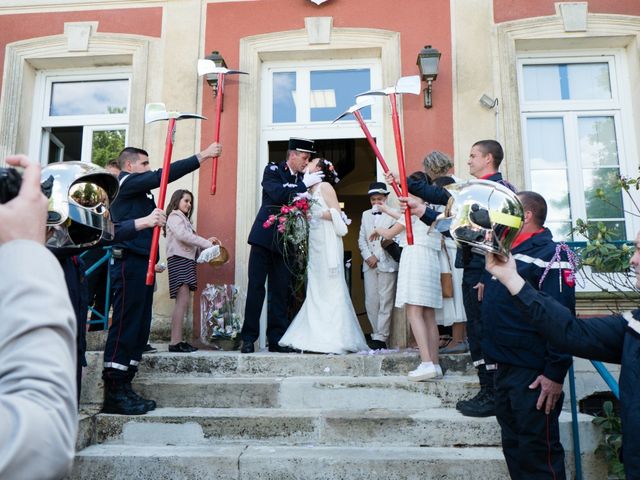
[(428, 59), (212, 78)]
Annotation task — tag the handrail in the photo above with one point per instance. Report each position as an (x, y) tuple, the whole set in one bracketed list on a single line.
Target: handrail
[(102, 318), (577, 457), (615, 389), (607, 377)]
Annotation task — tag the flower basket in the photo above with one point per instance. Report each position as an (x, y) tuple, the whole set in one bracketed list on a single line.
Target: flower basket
[(220, 317)]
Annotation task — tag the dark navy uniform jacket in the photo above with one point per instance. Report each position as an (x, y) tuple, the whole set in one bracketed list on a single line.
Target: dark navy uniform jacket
[(507, 339), (611, 339), (135, 199), (73, 268), (472, 263), (279, 186)]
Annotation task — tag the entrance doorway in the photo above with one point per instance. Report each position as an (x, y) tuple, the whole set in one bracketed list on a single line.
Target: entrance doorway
[(355, 163)]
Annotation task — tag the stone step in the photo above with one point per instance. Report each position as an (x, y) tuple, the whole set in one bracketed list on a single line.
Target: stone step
[(266, 364), (303, 392), (433, 427), (249, 462)]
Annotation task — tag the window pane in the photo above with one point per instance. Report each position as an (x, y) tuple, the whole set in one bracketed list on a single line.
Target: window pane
[(333, 91), (561, 231), (546, 147), (284, 91), (602, 200), (617, 229), (106, 145), (573, 81), (589, 81), (98, 97), (598, 145), (553, 186), (541, 82)]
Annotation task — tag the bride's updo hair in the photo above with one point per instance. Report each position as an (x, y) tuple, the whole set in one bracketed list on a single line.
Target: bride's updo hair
[(330, 174)]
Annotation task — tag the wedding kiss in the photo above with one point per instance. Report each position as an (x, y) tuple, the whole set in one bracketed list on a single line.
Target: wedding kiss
[(326, 322)]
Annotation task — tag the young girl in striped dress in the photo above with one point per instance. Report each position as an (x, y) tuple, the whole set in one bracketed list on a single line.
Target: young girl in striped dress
[(183, 247)]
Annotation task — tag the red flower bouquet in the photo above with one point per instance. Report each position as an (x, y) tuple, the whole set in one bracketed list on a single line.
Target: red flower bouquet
[(292, 224)]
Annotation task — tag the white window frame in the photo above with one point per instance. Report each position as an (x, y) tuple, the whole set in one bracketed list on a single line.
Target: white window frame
[(90, 123), (303, 127), (570, 110), (87, 137)]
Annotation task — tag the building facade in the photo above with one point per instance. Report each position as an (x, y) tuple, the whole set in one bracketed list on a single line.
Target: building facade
[(555, 82)]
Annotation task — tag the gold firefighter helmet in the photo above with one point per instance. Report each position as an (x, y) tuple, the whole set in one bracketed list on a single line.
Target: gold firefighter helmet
[(78, 211), (485, 215)]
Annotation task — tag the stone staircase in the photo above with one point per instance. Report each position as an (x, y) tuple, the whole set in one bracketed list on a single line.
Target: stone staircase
[(224, 415)]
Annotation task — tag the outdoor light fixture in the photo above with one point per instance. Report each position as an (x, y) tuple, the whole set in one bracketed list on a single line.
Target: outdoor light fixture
[(488, 102), (212, 78), (428, 59)]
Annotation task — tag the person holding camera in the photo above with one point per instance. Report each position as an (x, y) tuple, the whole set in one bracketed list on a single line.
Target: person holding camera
[(37, 341)]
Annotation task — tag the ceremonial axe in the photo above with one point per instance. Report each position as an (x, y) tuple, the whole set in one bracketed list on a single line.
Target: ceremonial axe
[(155, 112), (403, 85), (207, 67), (362, 102)]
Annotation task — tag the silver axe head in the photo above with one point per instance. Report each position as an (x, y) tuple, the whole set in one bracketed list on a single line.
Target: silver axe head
[(361, 102), (403, 85), (207, 67), (155, 112)]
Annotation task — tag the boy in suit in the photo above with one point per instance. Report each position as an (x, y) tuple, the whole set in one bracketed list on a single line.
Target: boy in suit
[(380, 270)]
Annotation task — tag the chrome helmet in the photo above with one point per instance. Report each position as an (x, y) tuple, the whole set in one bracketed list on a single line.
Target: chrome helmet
[(78, 211), (484, 214)]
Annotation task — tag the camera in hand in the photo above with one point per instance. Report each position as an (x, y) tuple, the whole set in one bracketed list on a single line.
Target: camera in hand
[(10, 181)]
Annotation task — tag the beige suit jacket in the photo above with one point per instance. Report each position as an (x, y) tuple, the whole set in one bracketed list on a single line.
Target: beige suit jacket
[(38, 411)]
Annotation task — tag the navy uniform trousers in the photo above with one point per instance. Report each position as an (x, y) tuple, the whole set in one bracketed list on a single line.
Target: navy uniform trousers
[(472, 308), (266, 264), (523, 427), (129, 331)]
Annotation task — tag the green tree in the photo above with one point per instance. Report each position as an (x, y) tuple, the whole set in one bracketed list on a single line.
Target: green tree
[(107, 144)]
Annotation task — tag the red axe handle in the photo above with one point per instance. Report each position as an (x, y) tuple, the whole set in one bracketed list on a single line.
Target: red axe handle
[(376, 150), (214, 165), (164, 180), (401, 166)]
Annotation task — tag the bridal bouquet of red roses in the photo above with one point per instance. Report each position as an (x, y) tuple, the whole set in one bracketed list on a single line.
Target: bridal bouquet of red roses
[(292, 224)]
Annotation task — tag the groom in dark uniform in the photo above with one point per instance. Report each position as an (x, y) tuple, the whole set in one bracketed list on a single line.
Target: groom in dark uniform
[(280, 183)]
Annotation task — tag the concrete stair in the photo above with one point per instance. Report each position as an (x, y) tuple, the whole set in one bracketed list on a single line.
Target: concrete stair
[(298, 416)]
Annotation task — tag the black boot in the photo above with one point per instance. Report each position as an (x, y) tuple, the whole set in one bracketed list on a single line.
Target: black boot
[(117, 400), (149, 404), (483, 404)]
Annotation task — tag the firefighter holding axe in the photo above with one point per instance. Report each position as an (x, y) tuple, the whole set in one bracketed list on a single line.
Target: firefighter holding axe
[(132, 295)]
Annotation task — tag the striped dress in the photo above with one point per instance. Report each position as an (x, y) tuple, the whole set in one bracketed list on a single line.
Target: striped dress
[(181, 271)]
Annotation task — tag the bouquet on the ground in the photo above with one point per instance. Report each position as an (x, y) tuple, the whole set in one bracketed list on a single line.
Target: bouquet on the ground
[(220, 317), (292, 225)]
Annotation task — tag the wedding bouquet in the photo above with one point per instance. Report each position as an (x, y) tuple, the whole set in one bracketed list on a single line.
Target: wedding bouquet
[(292, 224), (220, 316)]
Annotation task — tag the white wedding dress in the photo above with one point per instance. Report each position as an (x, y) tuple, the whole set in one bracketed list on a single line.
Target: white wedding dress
[(326, 322)]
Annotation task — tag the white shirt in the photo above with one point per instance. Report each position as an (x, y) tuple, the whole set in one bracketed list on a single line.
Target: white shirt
[(368, 247)]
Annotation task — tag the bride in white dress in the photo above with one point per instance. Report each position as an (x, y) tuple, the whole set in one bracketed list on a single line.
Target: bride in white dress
[(326, 322)]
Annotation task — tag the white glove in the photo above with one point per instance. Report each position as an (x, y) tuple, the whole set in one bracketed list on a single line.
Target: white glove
[(312, 178), (338, 223)]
